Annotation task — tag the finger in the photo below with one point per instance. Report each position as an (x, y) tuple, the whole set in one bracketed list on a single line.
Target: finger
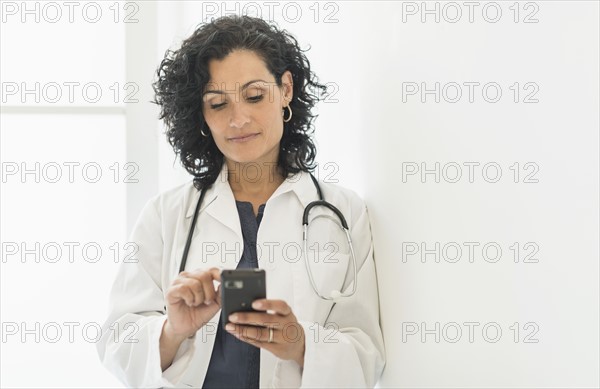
[(213, 273), (197, 287), (216, 273), (180, 292), (184, 273), (259, 336), (184, 278), (173, 295), (218, 292), (277, 306), (209, 291), (290, 332), (250, 334), (271, 347), (180, 279), (204, 287), (261, 319)]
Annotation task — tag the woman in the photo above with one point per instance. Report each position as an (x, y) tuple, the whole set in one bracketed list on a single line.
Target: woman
[(234, 98)]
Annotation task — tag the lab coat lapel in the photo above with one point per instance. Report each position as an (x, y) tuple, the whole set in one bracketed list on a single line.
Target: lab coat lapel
[(301, 184), (223, 208), (219, 203)]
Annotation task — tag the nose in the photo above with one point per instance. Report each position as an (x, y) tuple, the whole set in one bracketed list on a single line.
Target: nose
[(238, 116)]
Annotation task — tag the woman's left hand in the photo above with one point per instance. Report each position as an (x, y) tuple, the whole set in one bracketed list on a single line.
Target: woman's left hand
[(277, 330)]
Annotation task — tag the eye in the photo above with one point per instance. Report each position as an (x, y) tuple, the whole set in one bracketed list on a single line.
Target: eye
[(254, 99), (217, 106)]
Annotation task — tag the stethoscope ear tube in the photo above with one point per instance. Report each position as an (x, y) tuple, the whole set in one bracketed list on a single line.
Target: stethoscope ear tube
[(314, 180), (335, 294), (326, 204), (189, 238)]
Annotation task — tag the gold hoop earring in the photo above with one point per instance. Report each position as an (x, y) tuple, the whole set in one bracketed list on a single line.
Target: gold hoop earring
[(290, 118)]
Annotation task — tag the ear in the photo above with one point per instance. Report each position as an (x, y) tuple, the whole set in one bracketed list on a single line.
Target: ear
[(287, 88)]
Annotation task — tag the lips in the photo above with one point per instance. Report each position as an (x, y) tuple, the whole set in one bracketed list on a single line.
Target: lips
[(243, 137)]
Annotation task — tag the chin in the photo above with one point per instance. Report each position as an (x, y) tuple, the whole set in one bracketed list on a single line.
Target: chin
[(243, 158)]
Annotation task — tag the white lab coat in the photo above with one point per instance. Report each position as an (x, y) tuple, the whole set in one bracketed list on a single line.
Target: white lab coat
[(344, 342)]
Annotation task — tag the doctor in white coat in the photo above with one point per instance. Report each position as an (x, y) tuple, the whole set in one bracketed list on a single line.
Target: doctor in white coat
[(161, 325)]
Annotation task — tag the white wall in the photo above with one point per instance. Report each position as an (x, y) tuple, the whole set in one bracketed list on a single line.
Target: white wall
[(54, 299), (367, 137), (554, 300)]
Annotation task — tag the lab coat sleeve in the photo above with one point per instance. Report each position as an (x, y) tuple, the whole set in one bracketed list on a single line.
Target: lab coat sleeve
[(348, 350), (129, 346)]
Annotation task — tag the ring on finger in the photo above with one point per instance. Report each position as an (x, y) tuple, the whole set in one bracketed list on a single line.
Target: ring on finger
[(270, 335)]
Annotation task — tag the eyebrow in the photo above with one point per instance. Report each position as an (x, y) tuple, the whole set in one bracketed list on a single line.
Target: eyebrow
[(222, 92)]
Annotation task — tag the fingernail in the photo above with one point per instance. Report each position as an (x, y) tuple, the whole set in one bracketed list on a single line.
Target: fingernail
[(233, 317), (257, 305), (229, 327), (208, 302)]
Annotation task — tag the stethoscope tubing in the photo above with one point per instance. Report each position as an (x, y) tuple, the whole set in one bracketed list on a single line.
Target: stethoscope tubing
[(321, 202)]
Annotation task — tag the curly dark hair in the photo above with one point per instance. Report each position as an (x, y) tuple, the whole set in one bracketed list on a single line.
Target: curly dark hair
[(183, 75)]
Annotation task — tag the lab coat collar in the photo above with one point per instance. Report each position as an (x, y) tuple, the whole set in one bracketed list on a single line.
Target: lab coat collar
[(219, 196)]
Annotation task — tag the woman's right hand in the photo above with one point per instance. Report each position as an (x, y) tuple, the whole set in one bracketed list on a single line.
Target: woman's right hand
[(192, 301)]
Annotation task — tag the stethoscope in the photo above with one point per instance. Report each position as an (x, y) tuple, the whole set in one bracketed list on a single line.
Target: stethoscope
[(335, 294)]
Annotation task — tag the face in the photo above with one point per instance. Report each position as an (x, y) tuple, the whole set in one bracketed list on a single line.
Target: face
[(236, 105)]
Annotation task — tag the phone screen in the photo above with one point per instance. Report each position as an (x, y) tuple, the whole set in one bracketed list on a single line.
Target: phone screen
[(239, 288)]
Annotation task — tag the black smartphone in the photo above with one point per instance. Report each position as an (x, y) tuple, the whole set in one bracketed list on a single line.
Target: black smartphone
[(239, 288)]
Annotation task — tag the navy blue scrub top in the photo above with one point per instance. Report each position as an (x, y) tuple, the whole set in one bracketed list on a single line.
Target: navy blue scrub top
[(233, 363)]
